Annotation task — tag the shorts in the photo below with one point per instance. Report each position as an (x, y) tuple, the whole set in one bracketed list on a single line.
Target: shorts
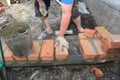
[(36, 6), (75, 13), (67, 1)]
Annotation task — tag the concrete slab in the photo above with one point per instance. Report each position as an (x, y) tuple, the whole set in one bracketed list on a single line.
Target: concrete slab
[(106, 13), (113, 3)]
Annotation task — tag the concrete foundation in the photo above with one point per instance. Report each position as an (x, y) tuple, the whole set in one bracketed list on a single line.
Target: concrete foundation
[(106, 13)]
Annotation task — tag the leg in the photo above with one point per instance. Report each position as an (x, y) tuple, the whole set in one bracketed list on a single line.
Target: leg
[(47, 24), (77, 19), (77, 22), (43, 18)]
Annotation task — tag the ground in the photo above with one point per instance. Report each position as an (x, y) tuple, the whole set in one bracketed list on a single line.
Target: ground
[(68, 72)]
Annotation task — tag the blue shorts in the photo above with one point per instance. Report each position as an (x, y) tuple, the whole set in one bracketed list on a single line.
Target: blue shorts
[(67, 1)]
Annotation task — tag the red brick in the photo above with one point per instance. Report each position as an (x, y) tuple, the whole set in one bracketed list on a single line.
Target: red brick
[(114, 41), (102, 33), (81, 36), (8, 55), (20, 58), (89, 33), (34, 55), (111, 43), (47, 51), (98, 72), (113, 56), (92, 49), (4, 46), (101, 53), (61, 54), (87, 50)]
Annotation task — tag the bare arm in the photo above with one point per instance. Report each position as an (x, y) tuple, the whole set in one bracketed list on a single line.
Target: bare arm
[(66, 15)]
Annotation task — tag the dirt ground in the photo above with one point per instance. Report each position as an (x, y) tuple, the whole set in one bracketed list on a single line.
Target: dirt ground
[(69, 72)]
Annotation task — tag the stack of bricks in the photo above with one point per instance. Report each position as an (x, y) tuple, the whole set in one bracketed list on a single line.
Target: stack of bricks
[(110, 42), (99, 43), (42, 51)]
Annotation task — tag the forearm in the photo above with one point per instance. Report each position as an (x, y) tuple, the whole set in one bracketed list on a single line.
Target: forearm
[(66, 15)]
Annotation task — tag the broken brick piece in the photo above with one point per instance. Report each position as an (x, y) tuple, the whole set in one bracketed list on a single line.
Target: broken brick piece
[(98, 72), (61, 54), (21, 59), (102, 33), (47, 51), (89, 33), (8, 54), (34, 55)]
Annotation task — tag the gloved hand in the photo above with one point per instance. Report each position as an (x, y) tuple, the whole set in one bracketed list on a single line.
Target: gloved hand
[(42, 8), (62, 42)]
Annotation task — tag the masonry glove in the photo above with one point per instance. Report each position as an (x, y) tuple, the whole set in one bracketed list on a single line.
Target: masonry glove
[(62, 42)]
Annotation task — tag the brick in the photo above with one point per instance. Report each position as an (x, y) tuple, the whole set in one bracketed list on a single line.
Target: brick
[(111, 43), (102, 33), (81, 36), (101, 53), (89, 33), (4, 46), (98, 72), (87, 50), (47, 51), (34, 55), (21, 59), (61, 54), (92, 49), (114, 41), (8, 55)]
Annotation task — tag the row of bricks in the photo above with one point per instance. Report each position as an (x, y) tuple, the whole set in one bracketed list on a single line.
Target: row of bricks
[(42, 50), (93, 47)]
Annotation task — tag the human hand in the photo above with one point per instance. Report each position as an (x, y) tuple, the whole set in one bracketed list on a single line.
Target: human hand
[(62, 42)]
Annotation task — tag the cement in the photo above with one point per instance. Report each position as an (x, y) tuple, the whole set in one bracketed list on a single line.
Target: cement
[(14, 29)]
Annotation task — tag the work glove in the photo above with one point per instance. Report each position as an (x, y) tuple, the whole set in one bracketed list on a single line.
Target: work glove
[(42, 8), (62, 42)]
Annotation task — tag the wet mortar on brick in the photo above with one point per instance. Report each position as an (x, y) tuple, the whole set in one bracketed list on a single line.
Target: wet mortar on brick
[(68, 72), (14, 29)]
